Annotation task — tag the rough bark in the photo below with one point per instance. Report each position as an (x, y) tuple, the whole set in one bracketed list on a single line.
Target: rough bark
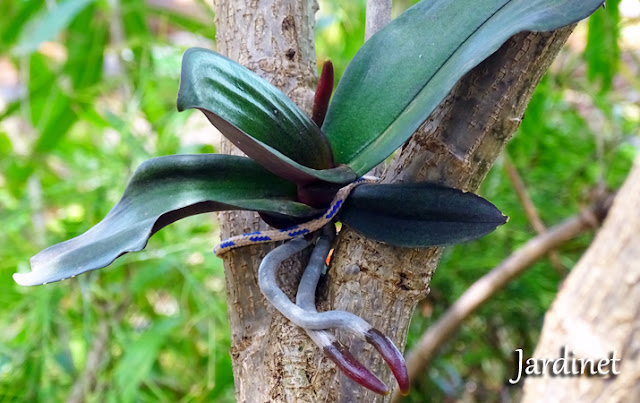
[(378, 15), (271, 359), (274, 361), (597, 311)]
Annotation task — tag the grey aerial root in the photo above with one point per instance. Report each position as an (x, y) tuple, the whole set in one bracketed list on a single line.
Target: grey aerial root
[(305, 315)]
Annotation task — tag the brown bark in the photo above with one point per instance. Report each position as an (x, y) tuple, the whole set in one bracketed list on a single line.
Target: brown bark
[(274, 361), (530, 210), (378, 15), (597, 311)]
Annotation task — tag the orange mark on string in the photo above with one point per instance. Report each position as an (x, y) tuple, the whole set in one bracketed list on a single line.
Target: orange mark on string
[(328, 261)]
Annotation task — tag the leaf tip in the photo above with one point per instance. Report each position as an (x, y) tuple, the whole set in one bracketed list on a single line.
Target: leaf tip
[(185, 88), (28, 279), (19, 278)]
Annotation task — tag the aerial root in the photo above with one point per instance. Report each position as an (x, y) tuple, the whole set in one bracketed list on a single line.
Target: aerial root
[(304, 314)]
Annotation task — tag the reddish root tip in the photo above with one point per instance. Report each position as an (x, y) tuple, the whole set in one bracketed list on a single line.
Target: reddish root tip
[(392, 356), (353, 368)]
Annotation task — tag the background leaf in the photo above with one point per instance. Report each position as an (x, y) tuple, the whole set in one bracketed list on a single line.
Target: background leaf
[(16, 16), (85, 58), (603, 52), (139, 357), (403, 72), (52, 114), (51, 24)]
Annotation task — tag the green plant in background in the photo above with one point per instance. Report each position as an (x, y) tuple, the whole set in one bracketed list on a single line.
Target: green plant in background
[(153, 354), (119, 121)]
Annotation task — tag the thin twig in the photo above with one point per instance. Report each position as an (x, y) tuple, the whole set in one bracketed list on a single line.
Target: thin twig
[(38, 222), (86, 381), (189, 9), (530, 210), (378, 15), (492, 282), (118, 41)]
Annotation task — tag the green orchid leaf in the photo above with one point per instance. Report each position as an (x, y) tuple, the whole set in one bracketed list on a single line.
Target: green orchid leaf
[(419, 214), (403, 72), (164, 190), (259, 119)]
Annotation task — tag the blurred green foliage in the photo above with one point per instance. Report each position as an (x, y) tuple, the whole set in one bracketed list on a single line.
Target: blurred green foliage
[(93, 95)]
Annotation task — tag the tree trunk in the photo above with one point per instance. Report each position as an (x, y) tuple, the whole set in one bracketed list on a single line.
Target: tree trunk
[(597, 311), (274, 361)]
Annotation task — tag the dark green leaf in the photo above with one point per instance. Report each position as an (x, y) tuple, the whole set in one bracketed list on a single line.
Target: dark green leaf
[(41, 86), (162, 191), (403, 72), (17, 171), (419, 214), (257, 117)]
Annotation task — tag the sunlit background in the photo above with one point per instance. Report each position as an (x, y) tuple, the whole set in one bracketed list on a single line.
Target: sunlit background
[(87, 93)]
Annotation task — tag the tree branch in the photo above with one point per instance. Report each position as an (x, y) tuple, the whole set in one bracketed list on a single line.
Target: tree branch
[(492, 282), (187, 8), (378, 15), (275, 39), (86, 381), (597, 311), (530, 209)]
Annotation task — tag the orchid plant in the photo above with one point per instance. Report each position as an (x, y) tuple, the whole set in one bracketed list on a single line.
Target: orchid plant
[(295, 165)]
